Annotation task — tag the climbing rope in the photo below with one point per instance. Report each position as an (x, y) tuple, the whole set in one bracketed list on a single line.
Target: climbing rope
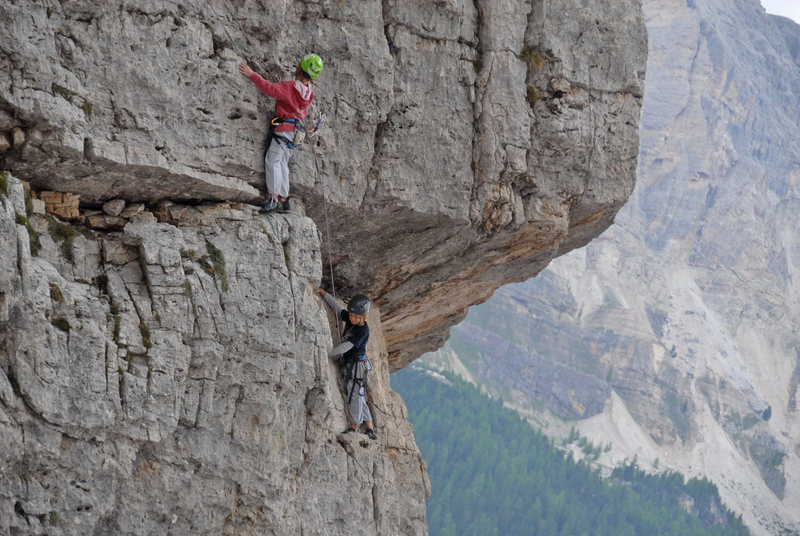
[(311, 132), (328, 236)]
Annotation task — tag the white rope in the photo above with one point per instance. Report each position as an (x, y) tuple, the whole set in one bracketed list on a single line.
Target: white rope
[(328, 240)]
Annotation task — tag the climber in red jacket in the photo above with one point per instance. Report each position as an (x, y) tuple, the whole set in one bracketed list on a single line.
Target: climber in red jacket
[(292, 99)]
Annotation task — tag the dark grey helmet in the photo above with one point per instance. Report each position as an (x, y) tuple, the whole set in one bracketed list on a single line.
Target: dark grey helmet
[(359, 305)]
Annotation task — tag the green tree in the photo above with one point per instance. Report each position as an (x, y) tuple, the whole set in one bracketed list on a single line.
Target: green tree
[(491, 473)]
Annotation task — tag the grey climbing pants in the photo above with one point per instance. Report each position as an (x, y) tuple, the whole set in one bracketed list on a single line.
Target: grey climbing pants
[(276, 165), (357, 407)]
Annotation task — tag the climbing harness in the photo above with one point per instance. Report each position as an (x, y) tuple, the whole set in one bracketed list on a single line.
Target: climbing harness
[(300, 130), (349, 373), (277, 120), (291, 144)]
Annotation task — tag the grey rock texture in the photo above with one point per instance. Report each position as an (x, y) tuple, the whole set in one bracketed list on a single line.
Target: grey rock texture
[(173, 379), (466, 143), (687, 309), (168, 374)]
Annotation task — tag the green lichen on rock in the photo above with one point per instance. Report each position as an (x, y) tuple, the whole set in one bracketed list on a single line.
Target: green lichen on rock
[(61, 323), (117, 323), (145, 331), (33, 235), (532, 96), (215, 264), (531, 57), (62, 92), (101, 282), (64, 233), (56, 294)]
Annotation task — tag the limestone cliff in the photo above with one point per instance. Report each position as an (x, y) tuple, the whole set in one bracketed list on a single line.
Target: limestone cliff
[(466, 142), (173, 379), (163, 369), (674, 336)]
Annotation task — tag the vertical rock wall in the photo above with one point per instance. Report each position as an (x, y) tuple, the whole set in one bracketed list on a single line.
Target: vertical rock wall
[(172, 378)]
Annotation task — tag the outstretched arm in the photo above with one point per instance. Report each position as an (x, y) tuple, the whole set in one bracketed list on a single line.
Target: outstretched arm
[(337, 309), (332, 303), (276, 91), (340, 349)]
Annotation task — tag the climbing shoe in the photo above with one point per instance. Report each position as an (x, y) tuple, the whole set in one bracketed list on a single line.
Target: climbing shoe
[(372, 434), (271, 206), (349, 430), (283, 207)]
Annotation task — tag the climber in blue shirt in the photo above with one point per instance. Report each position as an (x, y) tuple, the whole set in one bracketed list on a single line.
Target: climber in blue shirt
[(352, 353)]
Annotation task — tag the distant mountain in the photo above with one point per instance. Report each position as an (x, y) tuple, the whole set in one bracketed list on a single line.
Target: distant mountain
[(674, 335)]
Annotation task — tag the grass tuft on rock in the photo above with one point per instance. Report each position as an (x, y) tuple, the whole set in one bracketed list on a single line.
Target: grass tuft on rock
[(64, 233), (117, 324), (56, 294), (101, 282), (530, 56), (532, 96), (217, 264), (61, 323), (33, 235), (145, 331)]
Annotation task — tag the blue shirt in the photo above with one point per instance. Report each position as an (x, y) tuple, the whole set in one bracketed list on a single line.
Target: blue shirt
[(356, 335)]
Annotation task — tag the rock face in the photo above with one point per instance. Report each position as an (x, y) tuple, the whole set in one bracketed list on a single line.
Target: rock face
[(466, 143), (678, 327), (165, 370), (173, 379)]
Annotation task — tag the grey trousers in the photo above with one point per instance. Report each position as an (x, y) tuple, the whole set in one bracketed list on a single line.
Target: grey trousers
[(357, 407), (276, 166)]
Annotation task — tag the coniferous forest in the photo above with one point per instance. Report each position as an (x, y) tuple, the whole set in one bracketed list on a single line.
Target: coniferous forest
[(492, 474)]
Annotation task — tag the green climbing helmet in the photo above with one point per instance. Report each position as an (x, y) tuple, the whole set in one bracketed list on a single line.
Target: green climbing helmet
[(311, 64)]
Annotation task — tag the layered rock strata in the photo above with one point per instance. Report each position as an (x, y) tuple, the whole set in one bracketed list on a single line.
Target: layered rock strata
[(172, 378), (465, 143)]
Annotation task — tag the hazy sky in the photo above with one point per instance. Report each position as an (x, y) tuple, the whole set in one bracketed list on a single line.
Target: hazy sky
[(787, 8)]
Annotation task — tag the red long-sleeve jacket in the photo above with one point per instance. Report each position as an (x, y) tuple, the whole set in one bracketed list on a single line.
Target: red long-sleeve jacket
[(292, 99)]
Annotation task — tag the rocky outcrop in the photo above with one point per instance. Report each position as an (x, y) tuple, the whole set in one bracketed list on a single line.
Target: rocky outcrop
[(686, 310), (466, 143), (172, 378)]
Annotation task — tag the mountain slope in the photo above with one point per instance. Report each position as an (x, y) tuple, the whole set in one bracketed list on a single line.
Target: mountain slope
[(493, 475), (673, 335)]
